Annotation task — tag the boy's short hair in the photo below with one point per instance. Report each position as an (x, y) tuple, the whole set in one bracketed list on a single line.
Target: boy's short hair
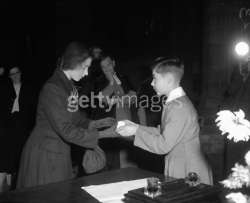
[(174, 66)]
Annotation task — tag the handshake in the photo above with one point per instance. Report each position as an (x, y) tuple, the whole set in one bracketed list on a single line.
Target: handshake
[(124, 128)]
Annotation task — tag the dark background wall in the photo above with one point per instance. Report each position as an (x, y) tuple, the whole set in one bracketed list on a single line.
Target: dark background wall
[(135, 32), (27, 39), (130, 27)]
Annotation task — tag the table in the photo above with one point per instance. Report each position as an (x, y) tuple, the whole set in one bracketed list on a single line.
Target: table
[(70, 191)]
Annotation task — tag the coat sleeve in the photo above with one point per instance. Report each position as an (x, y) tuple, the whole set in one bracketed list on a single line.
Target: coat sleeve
[(152, 140), (83, 120), (54, 102)]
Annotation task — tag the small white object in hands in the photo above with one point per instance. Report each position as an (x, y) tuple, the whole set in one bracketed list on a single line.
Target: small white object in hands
[(120, 124)]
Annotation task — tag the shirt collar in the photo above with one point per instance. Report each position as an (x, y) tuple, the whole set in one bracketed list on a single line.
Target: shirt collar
[(175, 94)]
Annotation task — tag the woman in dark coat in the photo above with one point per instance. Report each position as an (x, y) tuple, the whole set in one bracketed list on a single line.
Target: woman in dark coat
[(46, 155)]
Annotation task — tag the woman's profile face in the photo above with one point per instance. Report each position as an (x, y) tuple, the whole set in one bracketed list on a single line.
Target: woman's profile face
[(81, 70), (107, 65)]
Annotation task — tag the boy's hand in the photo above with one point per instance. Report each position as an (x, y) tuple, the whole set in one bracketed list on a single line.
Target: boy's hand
[(126, 128)]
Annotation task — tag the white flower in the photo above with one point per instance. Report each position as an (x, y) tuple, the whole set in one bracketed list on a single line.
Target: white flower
[(247, 158), (239, 177), (238, 129), (242, 173), (232, 184), (237, 197), (235, 124)]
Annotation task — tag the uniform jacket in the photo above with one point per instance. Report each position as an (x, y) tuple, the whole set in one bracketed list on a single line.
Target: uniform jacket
[(177, 139)]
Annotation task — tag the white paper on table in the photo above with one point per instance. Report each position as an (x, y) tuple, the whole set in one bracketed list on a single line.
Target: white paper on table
[(114, 192)]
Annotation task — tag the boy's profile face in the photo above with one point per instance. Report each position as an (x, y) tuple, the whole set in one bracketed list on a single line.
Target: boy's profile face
[(162, 83)]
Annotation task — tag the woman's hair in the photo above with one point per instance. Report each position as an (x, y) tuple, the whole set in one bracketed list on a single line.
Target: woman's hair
[(107, 55), (164, 65), (74, 54)]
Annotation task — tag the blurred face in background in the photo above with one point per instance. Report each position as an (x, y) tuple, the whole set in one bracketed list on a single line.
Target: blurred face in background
[(244, 67), (15, 74), (107, 66), (81, 70), (1, 71), (96, 52)]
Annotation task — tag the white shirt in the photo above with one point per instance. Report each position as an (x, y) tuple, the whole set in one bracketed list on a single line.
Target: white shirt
[(175, 94), (17, 87)]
